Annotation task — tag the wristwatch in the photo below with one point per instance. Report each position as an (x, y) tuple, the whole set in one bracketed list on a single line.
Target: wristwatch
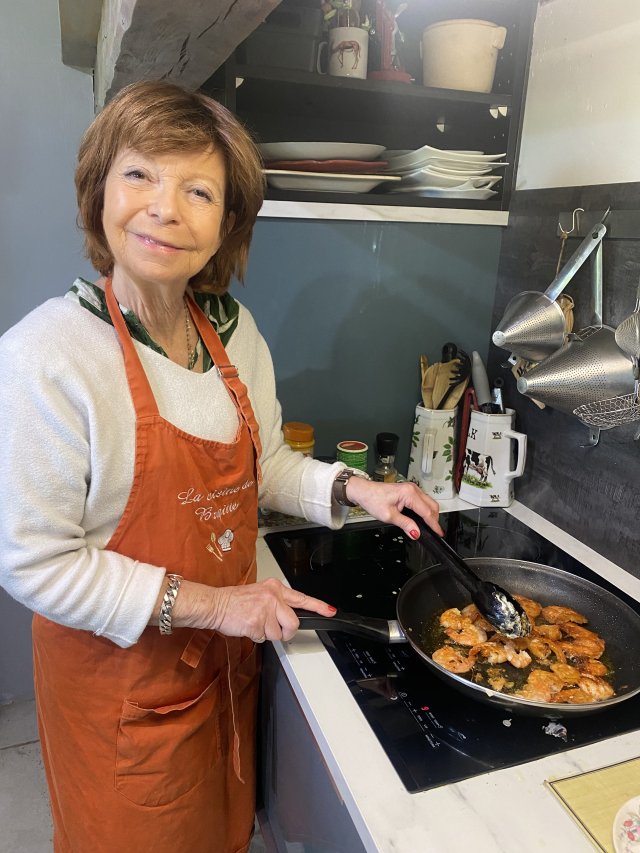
[(339, 489)]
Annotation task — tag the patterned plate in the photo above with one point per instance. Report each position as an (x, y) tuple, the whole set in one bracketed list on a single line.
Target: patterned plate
[(626, 827)]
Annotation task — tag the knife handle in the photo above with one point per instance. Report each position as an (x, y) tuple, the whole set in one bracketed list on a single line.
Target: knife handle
[(468, 403), (480, 380)]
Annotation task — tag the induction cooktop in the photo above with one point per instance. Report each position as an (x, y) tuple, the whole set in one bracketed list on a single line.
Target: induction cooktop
[(431, 733)]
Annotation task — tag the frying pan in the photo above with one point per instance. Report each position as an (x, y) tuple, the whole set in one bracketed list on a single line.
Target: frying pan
[(433, 590)]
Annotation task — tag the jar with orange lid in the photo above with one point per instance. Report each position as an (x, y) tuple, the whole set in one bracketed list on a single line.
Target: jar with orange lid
[(299, 436)]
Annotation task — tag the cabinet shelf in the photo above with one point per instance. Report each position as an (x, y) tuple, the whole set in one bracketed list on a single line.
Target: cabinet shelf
[(387, 199), (379, 89), (280, 104)]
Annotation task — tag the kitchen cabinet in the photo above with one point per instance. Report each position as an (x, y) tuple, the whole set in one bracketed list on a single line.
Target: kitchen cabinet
[(279, 104), (299, 806)]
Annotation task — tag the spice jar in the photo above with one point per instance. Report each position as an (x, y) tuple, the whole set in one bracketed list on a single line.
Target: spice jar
[(299, 436), (353, 454)]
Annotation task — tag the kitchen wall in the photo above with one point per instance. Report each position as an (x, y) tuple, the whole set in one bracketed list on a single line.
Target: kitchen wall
[(580, 144), (44, 109), (346, 307)]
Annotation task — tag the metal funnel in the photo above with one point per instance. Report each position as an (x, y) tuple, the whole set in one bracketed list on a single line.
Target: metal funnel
[(589, 368), (532, 326), (533, 323)]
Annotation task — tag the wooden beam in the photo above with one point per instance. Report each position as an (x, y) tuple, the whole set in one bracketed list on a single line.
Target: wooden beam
[(180, 40), (79, 25)]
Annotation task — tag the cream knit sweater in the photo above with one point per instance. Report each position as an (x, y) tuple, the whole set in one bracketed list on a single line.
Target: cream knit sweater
[(67, 456)]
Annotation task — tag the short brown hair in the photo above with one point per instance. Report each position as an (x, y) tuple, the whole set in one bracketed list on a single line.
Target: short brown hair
[(154, 117)]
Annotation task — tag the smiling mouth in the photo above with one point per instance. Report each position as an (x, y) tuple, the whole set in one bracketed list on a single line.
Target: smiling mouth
[(160, 244)]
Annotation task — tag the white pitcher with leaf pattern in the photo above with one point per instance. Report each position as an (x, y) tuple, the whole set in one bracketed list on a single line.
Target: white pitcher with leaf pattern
[(432, 456)]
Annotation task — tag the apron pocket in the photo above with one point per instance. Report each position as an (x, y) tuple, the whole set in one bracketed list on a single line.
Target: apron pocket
[(164, 752)]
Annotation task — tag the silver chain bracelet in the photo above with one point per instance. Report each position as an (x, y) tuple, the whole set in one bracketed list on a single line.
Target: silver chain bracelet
[(166, 608)]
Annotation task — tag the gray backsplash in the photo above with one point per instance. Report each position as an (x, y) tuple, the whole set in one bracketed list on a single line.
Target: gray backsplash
[(592, 493), (347, 308)]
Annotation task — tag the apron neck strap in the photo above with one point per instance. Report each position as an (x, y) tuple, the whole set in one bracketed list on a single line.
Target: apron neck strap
[(229, 374), (143, 400)]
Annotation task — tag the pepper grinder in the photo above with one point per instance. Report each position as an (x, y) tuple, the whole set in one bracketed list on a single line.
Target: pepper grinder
[(386, 447)]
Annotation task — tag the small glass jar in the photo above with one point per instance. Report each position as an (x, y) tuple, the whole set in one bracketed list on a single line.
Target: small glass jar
[(386, 446), (299, 436)]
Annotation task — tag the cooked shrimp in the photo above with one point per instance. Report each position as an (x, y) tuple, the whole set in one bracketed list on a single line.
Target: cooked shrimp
[(569, 674), (452, 659), (573, 696), (467, 635), (555, 613), (595, 687), (585, 643), (551, 632), (541, 648), (575, 649), (472, 612), (541, 686), (578, 632), (591, 667), (492, 651), (453, 618), (516, 658), (530, 607), (559, 659)]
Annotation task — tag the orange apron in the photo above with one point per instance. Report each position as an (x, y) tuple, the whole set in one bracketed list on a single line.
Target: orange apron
[(152, 748)]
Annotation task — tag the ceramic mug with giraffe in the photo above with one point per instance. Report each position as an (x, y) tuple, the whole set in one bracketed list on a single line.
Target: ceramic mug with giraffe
[(432, 456), (348, 52)]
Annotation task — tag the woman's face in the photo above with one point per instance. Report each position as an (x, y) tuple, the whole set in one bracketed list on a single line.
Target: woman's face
[(163, 214)]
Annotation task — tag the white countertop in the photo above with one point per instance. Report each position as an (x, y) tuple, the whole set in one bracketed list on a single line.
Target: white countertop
[(498, 812)]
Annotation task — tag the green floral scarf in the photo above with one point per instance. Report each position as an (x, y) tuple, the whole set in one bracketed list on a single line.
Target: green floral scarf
[(222, 311)]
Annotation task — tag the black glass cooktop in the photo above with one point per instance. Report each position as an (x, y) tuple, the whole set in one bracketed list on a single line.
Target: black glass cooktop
[(431, 733)]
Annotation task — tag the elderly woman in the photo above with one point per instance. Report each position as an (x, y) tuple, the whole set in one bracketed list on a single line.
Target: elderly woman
[(141, 428)]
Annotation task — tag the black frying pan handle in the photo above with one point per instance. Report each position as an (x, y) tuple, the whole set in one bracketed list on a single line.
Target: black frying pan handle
[(444, 551), (366, 627)]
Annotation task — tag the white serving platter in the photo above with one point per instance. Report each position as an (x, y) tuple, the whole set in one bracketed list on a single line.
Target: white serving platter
[(325, 181), (471, 193), (421, 156), (320, 151), (429, 178)]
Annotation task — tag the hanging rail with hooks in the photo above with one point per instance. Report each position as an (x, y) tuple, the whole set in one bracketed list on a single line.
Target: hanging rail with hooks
[(621, 224)]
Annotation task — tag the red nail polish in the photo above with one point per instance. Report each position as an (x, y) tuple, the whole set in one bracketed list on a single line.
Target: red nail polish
[(414, 534), (332, 609)]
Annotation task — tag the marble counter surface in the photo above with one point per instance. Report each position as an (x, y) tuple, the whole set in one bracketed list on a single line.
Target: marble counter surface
[(498, 812)]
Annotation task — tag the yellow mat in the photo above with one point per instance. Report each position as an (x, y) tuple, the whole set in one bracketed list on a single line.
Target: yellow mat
[(593, 799)]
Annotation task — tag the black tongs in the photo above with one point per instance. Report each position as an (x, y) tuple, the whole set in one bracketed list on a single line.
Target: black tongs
[(494, 603)]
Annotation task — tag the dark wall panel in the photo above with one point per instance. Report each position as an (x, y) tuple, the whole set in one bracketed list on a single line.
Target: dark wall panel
[(592, 493)]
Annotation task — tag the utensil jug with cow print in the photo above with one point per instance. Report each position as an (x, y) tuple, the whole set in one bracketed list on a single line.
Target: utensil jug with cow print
[(490, 463)]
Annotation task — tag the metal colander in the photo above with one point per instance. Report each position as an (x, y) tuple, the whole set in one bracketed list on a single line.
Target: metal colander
[(533, 324), (589, 368), (628, 332)]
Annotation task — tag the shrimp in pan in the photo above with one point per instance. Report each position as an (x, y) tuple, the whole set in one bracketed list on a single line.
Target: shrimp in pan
[(452, 659), (530, 607), (555, 614), (467, 635), (461, 629)]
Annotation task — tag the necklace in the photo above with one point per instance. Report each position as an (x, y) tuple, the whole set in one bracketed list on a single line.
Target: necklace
[(192, 354)]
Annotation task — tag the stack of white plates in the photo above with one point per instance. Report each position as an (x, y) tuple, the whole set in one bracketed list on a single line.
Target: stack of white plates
[(441, 173), (339, 167)]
